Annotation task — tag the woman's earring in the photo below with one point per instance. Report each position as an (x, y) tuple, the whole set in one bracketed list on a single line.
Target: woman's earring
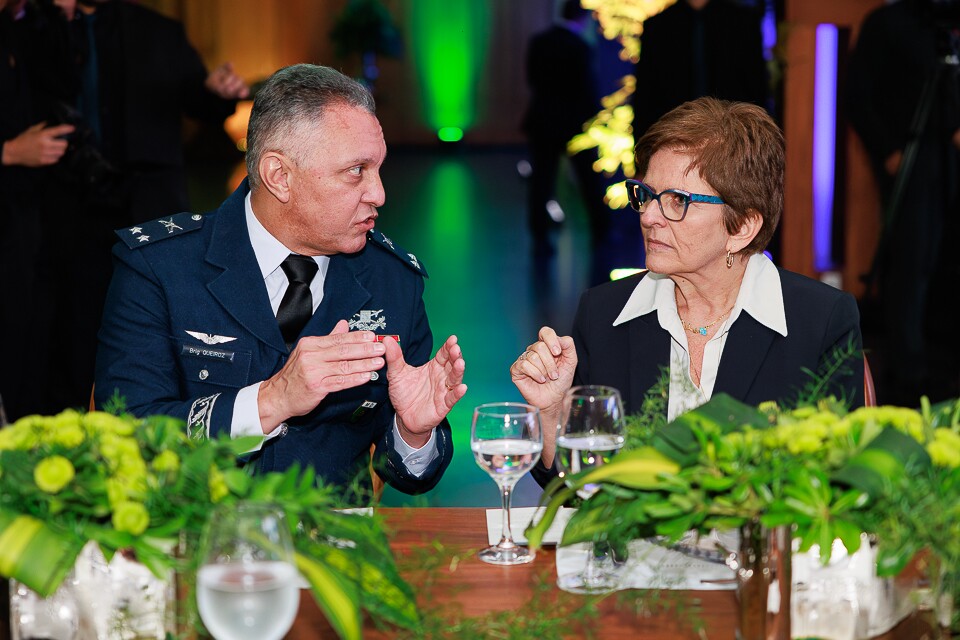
[(729, 259)]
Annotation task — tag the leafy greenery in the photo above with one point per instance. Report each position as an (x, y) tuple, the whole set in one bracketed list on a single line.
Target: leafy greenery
[(144, 486), (827, 472)]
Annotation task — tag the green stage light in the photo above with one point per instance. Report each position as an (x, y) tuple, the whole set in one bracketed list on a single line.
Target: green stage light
[(449, 39), (450, 134)]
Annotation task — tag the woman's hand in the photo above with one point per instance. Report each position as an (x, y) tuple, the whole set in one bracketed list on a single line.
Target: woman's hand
[(542, 374)]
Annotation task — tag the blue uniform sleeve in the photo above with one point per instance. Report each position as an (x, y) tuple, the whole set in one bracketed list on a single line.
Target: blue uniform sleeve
[(136, 356)]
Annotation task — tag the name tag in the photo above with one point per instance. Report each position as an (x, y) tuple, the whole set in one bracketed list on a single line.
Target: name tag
[(206, 352)]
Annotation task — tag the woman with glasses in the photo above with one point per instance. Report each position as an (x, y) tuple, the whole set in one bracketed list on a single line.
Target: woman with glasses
[(712, 309)]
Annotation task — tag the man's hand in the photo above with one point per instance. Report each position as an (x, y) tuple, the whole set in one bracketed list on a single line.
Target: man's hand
[(542, 374), (38, 146), (319, 365), (892, 164), (224, 82), (423, 396)]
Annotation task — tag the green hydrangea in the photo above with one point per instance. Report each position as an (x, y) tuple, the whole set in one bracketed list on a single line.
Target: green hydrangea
[(53, 474), (218, 485), (944, 450), (131, 517)]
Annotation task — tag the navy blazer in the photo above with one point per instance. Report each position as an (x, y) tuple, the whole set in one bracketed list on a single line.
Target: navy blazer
[(199, 275), (757, 364)]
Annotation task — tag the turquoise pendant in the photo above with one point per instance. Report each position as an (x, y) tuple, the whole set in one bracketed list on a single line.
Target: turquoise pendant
[(702, 331)]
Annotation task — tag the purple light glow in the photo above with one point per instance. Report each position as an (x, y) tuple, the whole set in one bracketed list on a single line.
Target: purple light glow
[(824, 144)]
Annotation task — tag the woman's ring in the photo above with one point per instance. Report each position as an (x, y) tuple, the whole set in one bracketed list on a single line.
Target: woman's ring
[(522, 355), (451, 387)]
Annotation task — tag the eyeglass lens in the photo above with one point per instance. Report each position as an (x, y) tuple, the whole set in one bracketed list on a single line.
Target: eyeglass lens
[(673, 204)]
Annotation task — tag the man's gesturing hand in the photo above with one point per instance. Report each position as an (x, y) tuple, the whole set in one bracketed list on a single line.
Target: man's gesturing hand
[(423, 396), (319, 365)]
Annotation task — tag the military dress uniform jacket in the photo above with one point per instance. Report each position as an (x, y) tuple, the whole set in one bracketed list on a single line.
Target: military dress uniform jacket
[(188, 323)]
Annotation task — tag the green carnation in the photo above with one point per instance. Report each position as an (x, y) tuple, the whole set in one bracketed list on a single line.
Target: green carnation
[(218, 485), (131, 517), (53, 474), (166, 461)]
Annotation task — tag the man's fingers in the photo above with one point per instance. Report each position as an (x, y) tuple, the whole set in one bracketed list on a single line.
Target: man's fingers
[(343, 327), (393, 353), (60, 130), (345, 381), (354, 366)]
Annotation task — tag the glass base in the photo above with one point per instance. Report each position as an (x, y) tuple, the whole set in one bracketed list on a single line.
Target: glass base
[(507, 556), (580, 583)]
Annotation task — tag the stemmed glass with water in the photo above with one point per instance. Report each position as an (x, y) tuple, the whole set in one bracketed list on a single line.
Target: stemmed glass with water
[(590, 433), (506, 440), (248, 584)]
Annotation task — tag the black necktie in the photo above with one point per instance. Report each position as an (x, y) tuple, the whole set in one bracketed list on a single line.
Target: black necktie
[(297, 304)]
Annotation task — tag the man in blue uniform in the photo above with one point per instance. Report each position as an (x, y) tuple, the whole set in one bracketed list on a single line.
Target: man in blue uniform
[(284, 313)]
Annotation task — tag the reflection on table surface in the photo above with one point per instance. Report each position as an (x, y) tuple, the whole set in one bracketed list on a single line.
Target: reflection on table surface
[(436, 550)]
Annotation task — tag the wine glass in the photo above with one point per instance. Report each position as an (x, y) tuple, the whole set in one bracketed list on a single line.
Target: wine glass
[(590, 433), (56, 617), (248, 584), (506, 440)]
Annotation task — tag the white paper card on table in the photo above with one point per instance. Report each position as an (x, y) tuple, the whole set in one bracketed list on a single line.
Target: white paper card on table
[(520, 517), (652, 566)]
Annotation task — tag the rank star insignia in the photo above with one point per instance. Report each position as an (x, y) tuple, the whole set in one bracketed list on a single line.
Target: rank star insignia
[(368, 320), (387, 240), (170, 225), (136, 230), (143, 238), (413, 260)]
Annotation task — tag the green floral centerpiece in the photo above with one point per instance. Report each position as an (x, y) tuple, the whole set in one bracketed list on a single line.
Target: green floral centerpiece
[(824, 472), (144, 487)]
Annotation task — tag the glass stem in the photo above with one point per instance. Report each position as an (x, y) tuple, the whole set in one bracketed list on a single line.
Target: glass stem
[(593, 573), (506, 534)]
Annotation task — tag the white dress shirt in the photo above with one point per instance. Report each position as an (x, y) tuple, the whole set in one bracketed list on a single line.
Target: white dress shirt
[(760, 295), (270, 254)]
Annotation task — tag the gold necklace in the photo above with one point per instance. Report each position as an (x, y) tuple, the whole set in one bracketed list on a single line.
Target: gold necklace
[(701, 330)]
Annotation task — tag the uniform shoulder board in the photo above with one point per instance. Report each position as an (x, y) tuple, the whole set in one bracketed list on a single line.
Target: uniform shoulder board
[(145, 233), (390, 246)]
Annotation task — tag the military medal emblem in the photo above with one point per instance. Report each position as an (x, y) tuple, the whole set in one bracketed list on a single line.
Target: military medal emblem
[(368, 320)]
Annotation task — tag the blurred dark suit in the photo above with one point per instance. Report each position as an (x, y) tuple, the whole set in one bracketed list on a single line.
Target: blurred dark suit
[(564, 96), (687, 54)]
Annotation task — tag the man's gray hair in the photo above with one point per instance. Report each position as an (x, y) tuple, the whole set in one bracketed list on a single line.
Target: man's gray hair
[(291, 100)]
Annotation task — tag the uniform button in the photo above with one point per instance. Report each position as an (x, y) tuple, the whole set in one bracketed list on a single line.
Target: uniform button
[(195, 216), (374, 375), (204, 374)]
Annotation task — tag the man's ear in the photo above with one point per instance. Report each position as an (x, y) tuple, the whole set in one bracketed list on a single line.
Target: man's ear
[(275, 175), (747, 232)]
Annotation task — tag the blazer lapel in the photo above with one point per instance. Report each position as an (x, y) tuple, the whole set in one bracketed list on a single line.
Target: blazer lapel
[(343, 294), (649, 346), (240, 288), (743, 354)]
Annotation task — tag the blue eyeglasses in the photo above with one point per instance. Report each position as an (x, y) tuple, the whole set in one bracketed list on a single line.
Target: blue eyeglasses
[(673, 202)]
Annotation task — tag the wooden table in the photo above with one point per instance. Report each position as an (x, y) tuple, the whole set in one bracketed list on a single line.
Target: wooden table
[(459, 586)]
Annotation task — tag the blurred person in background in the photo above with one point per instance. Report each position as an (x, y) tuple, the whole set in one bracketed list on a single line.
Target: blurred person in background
[(912, 46), (564, 96)]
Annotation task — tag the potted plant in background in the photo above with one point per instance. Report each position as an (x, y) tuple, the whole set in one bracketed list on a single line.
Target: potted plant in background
[(366, 29), (143, 488)]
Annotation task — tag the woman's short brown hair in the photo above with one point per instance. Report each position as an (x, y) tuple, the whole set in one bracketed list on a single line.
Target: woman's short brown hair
[(738, 150)]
